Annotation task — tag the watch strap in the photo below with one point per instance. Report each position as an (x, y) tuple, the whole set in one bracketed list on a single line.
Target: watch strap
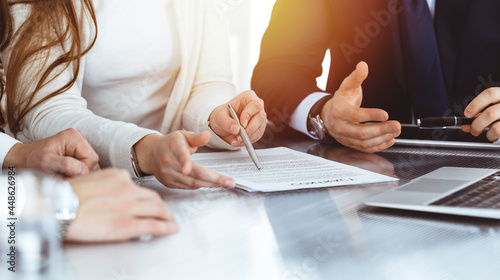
[(316, 109), (65, 202), (135, 164), (63, 228)]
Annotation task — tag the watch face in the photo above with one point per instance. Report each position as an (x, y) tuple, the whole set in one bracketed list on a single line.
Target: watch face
[(65, 201), (65, 215), (318, 128)]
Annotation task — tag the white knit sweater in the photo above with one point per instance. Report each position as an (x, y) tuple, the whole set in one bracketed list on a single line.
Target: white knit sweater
[(203, 82)]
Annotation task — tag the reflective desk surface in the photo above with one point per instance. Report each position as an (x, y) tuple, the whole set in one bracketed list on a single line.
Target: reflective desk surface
[(313, 234)]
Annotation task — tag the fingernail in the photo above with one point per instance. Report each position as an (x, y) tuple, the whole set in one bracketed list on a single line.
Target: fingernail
[(244, 123), (394, 131), (235, 142), (468, 113), (230, 183), (149, 237), (382, 117), (234, 129), (164, 227), (80, 172)]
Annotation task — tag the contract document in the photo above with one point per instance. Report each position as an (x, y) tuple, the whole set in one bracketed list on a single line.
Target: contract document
[(285, 169)]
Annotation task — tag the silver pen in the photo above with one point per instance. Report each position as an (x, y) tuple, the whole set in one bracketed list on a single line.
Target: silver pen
[(246, 139)]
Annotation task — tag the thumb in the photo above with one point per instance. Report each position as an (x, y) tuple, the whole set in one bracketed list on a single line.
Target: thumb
[(194, 141), (230, 126), (197, 140), (224, 125), (68, 166), (356, 79)]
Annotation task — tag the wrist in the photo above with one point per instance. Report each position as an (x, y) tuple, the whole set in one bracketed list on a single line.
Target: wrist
[(318, 115), (66, 202), (213, 121), (143, 155), (16, 156), (325, 112)]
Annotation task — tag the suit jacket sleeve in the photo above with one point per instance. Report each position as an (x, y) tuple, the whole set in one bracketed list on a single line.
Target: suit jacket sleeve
[(292, 51)]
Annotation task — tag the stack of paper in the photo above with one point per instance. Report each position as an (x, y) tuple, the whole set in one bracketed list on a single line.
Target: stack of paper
[(285, 169)]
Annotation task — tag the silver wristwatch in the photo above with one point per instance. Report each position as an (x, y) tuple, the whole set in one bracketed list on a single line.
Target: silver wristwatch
[(315, 125), (318, 128), (65, 203)]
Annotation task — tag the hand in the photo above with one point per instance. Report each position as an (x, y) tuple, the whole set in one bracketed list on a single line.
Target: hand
[(168, 158), (66, 153), (485, 116), (250, 111), (112, 208), (343, 117)]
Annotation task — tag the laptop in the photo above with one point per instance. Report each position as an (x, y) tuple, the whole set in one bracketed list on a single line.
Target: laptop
[(452, 137), (447, 190)]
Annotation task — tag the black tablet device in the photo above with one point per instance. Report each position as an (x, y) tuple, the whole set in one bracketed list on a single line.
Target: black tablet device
[(452, 137)]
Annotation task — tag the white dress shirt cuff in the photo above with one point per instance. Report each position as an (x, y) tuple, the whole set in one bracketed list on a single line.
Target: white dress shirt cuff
[(300, 116), (7, 143)]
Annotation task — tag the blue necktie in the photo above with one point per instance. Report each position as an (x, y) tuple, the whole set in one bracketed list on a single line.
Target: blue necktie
[(424, 78)]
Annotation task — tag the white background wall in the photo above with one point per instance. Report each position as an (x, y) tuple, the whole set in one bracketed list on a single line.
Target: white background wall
[(248, 20)]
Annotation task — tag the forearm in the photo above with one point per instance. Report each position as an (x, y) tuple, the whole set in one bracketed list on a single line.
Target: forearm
[(202, 103), (282, 92), (292, 51), (111, 140)]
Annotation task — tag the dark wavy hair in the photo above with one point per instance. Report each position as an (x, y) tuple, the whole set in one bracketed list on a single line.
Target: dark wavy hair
[(50, 23)]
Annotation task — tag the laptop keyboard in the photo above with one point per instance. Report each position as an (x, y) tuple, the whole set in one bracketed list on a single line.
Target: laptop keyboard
[(482, 194)]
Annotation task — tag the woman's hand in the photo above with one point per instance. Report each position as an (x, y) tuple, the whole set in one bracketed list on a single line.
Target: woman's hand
[(113, 208), (168, 158), (250, 110), (67, 153), (486, 109)]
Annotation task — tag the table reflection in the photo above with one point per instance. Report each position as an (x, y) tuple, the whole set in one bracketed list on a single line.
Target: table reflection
[(309, 234), (372, 162), (317, 230)]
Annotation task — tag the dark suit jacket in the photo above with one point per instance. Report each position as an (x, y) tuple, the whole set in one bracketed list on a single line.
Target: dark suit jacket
[(300, 32)]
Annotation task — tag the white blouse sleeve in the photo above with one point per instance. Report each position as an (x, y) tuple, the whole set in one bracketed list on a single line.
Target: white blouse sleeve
[(213, 83), (6, 143), (112, 140)]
